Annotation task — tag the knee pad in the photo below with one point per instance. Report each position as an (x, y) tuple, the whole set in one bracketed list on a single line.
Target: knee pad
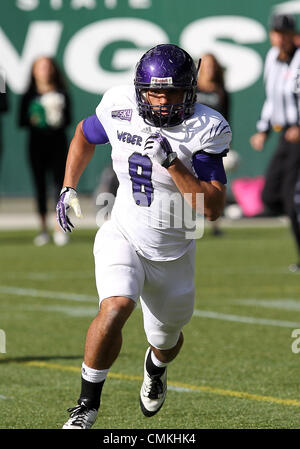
[(163, 339)]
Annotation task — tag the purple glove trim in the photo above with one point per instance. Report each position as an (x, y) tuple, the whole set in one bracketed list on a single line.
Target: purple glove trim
[(163, 141), (94, 131), (61, 215), (209, 167)]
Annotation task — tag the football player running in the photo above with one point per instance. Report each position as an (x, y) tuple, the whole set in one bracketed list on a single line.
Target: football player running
[(162, 144)]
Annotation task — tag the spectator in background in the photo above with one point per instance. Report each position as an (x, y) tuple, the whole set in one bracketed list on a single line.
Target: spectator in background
[(281, 112), (45, 113), (211, 91)]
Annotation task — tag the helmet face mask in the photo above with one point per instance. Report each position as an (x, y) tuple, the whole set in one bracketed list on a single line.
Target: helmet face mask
[(165, 67)]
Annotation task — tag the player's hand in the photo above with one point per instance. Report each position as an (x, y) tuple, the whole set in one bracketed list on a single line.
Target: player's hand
[(257, 141), (67, 199), (159, 149), (292, 134)]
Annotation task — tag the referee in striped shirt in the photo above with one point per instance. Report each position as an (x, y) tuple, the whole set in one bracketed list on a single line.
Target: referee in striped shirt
[(281, 113)]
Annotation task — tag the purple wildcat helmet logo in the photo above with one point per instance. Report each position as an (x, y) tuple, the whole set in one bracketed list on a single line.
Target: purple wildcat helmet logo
[(166, 66)]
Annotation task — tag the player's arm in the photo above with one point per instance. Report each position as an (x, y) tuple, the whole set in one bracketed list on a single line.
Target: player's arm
[(88, 134), (210, 176), (214, 191), (258, 140), (80, 153)]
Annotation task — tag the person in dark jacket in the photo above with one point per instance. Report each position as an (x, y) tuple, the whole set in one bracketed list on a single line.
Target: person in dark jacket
[(45, 113)]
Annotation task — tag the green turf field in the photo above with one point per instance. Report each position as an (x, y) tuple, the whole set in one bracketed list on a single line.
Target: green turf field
[(236, 368)]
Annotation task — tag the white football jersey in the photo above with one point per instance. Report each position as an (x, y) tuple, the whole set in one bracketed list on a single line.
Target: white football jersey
[(142, 211)]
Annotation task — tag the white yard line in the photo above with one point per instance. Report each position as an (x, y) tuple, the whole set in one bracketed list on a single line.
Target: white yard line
[(46, 294), (89, 274), (46, 276), (245, 319), (2, 397), (182, 389), (74, 311), (32, 292), (283, 304)]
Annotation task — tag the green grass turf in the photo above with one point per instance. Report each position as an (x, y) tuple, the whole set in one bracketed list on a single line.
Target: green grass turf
[(257, 359)]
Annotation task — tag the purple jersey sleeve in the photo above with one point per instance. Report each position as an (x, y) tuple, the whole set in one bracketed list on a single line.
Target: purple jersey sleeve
[(209, 167), (94, 131)]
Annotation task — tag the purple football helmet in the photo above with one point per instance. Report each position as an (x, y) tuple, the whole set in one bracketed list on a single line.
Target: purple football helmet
[(166, 66)]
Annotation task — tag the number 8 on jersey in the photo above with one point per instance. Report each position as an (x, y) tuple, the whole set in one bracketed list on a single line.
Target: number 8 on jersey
[(140, 171)]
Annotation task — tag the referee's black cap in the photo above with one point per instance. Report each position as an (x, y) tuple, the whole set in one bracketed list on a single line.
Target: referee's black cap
[(282, 23)]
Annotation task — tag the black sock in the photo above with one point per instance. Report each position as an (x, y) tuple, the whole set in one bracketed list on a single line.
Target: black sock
[(90, 393), (153, 369)]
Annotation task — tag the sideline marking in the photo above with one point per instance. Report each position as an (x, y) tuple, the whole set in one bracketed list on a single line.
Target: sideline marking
[(46, 276), (283, 304), (197, 313), (4, 398), (179, 386), (245, 319), (74, 311), (35, 293)]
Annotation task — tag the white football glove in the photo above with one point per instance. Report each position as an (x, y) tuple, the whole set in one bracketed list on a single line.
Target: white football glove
[(160, 150), (67, 199)]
